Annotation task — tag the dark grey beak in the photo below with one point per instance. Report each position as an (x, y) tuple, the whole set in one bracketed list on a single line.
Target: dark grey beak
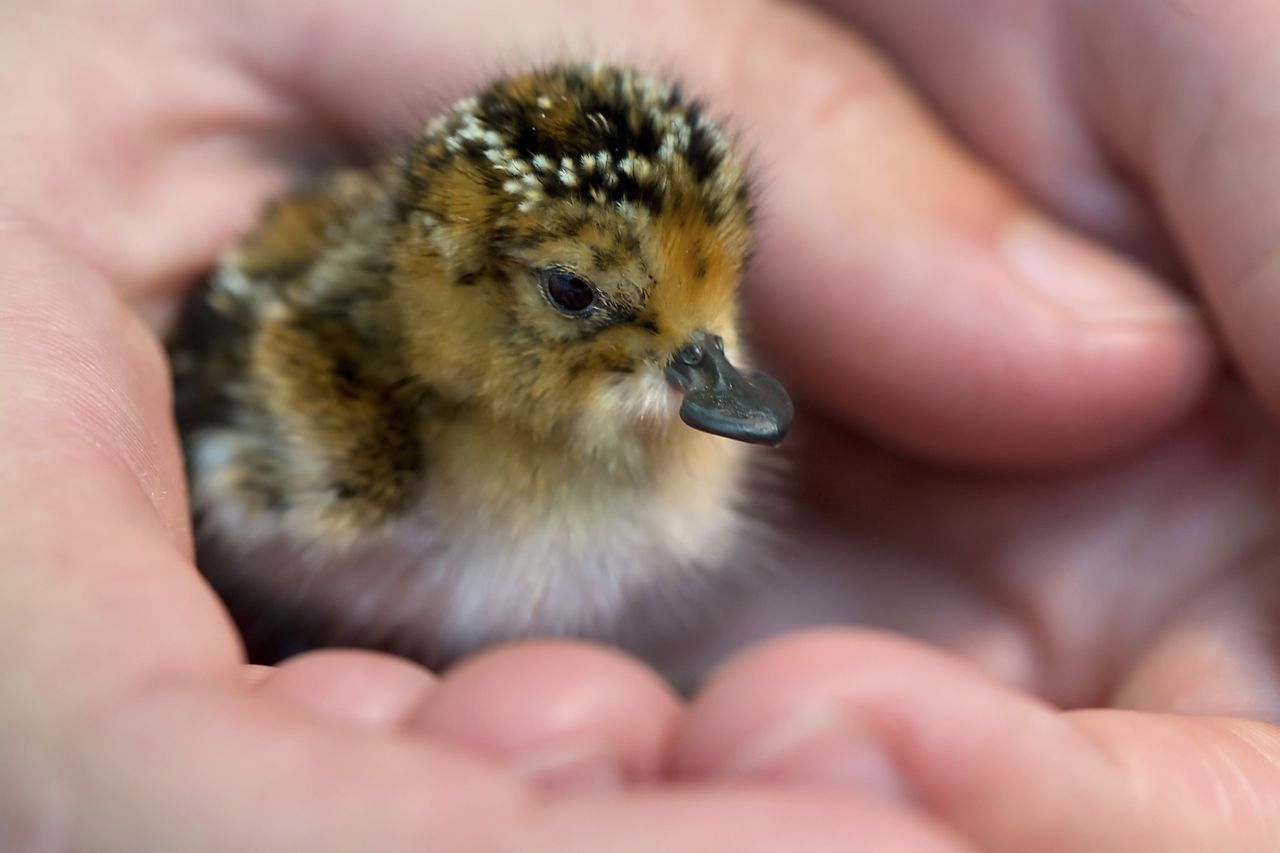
[(718, 399)]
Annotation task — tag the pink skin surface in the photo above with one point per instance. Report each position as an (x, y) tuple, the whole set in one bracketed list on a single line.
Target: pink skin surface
[(1007, 250)]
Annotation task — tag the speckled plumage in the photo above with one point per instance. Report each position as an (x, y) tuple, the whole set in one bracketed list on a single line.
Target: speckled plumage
[(397, 438)]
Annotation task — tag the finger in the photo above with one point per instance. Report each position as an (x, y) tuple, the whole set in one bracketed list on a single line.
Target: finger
[(1217, 656), (148, 189), (262, 777), (256, 673), (91, 482), (1195, 111), (900, 284), (887, 718), (356, 688), (1005, 86), (568, 716), (1078, 98), (98, 597), (752, 821)]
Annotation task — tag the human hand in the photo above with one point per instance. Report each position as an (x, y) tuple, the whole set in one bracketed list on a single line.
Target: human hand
[(142, 137), (1138, 591), (241, 84)]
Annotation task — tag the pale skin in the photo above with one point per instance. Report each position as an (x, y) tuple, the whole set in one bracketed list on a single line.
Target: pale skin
[(982, 290)]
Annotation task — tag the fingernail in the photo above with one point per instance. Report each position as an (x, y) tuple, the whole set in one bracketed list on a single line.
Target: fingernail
[(570, 766), (1090, 284), (820, 745)]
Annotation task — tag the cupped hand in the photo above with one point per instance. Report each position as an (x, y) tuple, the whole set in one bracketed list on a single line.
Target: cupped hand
[(139, 138), (990, 305), (1136, 591)]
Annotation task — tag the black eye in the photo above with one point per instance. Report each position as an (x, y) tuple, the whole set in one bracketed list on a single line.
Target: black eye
[(570, 293)]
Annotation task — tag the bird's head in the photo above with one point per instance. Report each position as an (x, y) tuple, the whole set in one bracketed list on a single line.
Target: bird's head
[(573, 240)]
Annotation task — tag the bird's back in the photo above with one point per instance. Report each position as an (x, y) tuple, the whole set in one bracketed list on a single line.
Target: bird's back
[(286, 324), (273, 269)]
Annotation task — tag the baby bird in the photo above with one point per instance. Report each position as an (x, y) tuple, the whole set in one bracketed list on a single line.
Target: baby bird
[(486, 388)]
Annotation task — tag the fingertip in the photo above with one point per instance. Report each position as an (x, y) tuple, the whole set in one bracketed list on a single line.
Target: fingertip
[(363, 689), (566, 715), (1084, 280), (254, 674)]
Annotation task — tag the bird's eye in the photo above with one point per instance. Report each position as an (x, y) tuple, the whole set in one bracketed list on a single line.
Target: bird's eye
[(571, 294)]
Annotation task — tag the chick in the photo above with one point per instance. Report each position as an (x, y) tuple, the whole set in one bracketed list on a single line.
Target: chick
[(486, 388)]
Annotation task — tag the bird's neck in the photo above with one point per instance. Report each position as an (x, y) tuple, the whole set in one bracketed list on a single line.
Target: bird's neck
[(490, 463)]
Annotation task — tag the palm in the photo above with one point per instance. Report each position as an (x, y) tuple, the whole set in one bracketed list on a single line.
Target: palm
[(1080, 587), (1145, 584)]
